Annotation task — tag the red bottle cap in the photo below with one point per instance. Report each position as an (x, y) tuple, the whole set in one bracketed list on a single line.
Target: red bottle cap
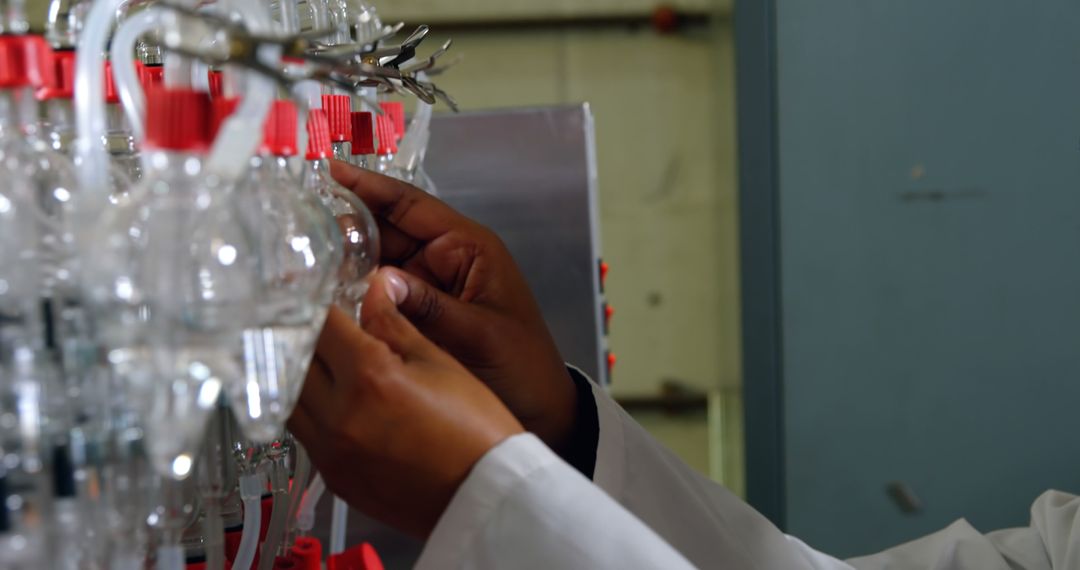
[(279, 135), (384, 125), (61, 81), (308, 552), (25, 61), (396, 110), (177, 119), (363, 133), (318, 132), (220, 110), (287, 563), (112, 96), (363, 557), (337, 109), (202, 566), (152, 75), (216, 82)]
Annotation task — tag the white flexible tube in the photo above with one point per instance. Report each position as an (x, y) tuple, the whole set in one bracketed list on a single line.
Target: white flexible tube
[(279, 516), (91, 127), (338, 526), (171, 557), (241, 135), (296, 491), (125, 73), (415, 141), (251, 492), (305, 518)]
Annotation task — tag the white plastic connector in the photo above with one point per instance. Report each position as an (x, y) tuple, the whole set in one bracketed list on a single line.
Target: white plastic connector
[(305, 518), (251, 488)]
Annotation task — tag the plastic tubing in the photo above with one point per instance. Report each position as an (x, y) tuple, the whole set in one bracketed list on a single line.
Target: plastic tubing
[(415, 142), (251, 492), (241, 135), (296, 489), (305, 518), (214, 528), (279, 516), (125, 74), (171, 557), (91, 127), (338, 526)]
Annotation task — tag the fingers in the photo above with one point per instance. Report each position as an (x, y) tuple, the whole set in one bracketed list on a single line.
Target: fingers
[(317, 394), (316, 397), (303, 426), (443, 318), (383, 321), (416, 213), (349, 353), (340, 342)]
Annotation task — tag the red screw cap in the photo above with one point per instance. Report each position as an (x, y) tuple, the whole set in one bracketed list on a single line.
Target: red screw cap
[(286, 563), (396, 111), (202, 566), (363, 557), (337, 113), (177, 119), (25, 61), (61, 82), (220, 110), (112, 96), (216, 82), (363, 133), (279, 135), (308, 552), (384, 125), (318, 129), (152, 75)]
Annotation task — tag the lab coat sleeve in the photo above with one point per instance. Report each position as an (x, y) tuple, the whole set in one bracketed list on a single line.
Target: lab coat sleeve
[(705, 522), (523, 507), (1051, 542), (714, 529)]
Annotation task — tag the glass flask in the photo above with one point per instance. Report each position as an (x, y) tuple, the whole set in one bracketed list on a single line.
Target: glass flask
[(357, 226), (298, 247), (174, 283)]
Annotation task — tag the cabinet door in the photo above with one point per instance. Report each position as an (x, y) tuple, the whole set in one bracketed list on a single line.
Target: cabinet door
[(929, 235)]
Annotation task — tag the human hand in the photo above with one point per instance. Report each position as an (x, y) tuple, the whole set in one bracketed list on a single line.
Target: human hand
[(393, 423), (465, 292)]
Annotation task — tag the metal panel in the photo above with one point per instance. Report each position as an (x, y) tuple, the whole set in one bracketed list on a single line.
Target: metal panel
[(760, 257), (929, 176), (530, 175)]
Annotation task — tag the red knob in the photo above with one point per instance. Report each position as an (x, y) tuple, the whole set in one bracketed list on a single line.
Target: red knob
[(611, 360)]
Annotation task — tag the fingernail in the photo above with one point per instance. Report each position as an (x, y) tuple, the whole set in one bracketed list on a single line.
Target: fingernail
[(396, 288)]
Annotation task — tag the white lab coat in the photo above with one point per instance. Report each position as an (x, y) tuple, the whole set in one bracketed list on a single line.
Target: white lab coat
[(523, 507)]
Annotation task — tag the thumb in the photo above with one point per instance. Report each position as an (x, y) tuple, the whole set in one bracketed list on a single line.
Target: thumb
[(382, 320), (441, 317)]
